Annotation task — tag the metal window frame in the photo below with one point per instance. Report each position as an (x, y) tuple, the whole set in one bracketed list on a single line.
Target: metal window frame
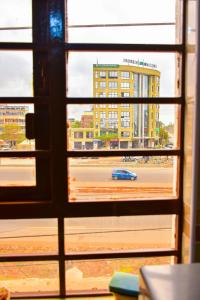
[(49, 59)]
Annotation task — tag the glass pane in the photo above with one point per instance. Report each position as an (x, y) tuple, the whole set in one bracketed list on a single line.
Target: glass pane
[(16, 21), (30, 277), (119, 233), (82, 276), (123, 21), (33, 237), (122, 74), (113, 178), (17, 171), (12, 127), (16, 73), (122, 126)]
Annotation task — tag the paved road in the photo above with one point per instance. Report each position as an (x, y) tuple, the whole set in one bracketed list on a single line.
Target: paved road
[(103, 174), (95, 173)]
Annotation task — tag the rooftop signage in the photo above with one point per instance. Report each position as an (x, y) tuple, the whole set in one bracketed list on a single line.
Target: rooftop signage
[(105, 66), (139, 63)]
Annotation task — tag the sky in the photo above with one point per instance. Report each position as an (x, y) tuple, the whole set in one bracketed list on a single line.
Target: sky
[(17, 80)]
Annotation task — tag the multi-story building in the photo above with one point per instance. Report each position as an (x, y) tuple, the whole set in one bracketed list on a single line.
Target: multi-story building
[(120, 125), (134, 125), (87, 119), (13, 115)]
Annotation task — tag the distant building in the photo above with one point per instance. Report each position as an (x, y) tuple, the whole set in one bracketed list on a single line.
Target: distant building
[(87, 119), (125, 125)]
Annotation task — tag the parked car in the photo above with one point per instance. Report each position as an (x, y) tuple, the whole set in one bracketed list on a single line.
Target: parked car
[(121, 173), (129, 158)]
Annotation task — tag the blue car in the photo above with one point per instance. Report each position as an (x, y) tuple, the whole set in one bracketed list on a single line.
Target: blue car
[(121, 173)]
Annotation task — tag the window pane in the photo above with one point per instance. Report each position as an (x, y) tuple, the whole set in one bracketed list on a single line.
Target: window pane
[(113, 178), (118, 233), (16, 21), (33, 237), (30, 277), (17, 171), (83, 276), (12, 127), (16, 73), (122, 126), (123, 21), (150, 74)]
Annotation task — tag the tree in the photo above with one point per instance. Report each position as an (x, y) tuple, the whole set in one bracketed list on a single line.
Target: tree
[(13, 133), (106, 138), (76, 124), (163, 134)]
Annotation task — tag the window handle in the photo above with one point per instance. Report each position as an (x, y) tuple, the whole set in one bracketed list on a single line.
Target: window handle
[(30, 126)]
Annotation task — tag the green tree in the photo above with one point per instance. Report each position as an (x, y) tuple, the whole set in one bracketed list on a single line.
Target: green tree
[(106, 138), (163, 135), (76, 124), (12, 133)]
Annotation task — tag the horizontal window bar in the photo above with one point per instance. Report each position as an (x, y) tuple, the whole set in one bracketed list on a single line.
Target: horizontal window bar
[(16, 46), (83, 256), (122, 208), (45, 209), (26, 100), (124, 47), (121, 254), (138, 152), (37, 153), (115, 25), (106, 100), (14, 258)]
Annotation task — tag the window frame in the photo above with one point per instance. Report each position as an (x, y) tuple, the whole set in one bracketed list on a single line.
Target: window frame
[(50, 104)]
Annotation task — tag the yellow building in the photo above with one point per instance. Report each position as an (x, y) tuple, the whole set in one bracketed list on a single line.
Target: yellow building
[(121, 126), (132, 125)]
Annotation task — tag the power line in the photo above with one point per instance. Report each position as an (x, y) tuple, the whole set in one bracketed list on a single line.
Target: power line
[(86, 233)]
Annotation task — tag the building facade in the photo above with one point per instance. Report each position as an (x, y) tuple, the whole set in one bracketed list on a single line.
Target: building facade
[(122, 126)]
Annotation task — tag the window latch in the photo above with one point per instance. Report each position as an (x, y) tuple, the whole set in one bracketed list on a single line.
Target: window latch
[(30, 126)]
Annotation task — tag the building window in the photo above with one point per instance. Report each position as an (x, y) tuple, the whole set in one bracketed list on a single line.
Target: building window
[(102, 84), (112, 84), (113, 105), (112, 74), (78, 135), (102, 95), (135, 85), (102, 74), (112, 115), (125, 85), (125, 105), (89, 134), (125, 134), (125, 75), (113, 95), (125, 94)]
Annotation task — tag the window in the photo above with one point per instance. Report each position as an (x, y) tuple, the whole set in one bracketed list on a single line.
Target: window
[(125, 85), (112, 74), (102, 95), (113, 95), (125, 134), (112, 85), (125, 119), (112, 115), (125, 94), (102, 84), (66, 200), (112, 105), (102, 74), (125, 75), (125, 105), (78, 135)]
